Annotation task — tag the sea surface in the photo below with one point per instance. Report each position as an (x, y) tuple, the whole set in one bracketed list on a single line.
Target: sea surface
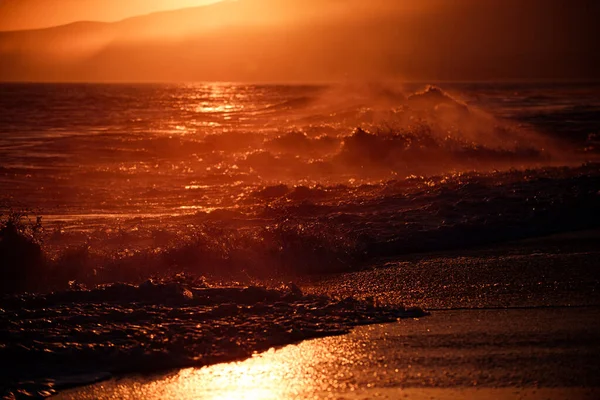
[(89, 156), (152, 211), (293, 178)]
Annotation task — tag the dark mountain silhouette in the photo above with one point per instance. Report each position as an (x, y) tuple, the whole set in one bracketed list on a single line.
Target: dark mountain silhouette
[(318, 40)]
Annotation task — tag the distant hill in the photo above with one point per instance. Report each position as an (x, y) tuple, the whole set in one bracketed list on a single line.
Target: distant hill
[(317, 40)]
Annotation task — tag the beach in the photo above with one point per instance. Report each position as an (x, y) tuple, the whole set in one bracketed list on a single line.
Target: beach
[(523, 328), (506, 354)]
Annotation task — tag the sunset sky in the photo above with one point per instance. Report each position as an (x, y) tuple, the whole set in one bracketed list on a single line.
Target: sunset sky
[(300, 40), (31, 14)]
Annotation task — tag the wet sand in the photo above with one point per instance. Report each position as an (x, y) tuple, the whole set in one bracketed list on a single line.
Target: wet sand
[(513, 321), (507, 354), (560, 270)]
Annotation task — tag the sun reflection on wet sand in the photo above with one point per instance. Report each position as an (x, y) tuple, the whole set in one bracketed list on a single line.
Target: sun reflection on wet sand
[(446, 356), (291, 372), (307, 370)]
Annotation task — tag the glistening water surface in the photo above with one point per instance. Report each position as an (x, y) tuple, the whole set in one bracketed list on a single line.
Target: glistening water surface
[(339, 173), (239, 182), (142, 150), (492, 354)]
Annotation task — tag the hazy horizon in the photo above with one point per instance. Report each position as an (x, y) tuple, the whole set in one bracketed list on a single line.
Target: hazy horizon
[(42, 14), (271, 41)]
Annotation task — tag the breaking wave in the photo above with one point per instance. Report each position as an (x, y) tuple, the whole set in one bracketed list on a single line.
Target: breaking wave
[(275, 180), (282, 230)]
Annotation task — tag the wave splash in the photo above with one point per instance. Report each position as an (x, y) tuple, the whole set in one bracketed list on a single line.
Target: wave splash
[(283, 230), (290, 180)]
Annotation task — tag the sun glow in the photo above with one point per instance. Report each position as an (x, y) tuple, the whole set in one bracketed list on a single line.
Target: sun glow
[(34, 14)]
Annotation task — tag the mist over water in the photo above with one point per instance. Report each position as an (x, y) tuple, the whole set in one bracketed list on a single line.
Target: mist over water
[(289, 178), (180, 138)]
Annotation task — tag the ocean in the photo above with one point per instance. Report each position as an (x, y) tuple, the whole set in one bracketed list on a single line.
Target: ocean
[(361, 170), (141, 218)]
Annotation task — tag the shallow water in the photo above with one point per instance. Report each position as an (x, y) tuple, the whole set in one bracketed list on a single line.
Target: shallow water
[(50, 341), (471, 354)]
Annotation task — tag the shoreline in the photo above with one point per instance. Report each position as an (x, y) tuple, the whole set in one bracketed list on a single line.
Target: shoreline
[(508, 354), (542, 292)]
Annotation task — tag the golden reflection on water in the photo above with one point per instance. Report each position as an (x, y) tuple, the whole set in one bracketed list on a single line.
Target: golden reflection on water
[(278, 374), (309, 370)]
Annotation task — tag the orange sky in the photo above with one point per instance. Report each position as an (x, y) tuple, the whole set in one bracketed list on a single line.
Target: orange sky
[(303, 40), (30, 14)]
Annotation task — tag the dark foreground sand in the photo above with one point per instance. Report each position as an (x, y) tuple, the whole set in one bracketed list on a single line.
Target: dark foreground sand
[(517, 321)]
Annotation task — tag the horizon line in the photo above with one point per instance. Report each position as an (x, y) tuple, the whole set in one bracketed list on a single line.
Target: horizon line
[(311, 83)]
